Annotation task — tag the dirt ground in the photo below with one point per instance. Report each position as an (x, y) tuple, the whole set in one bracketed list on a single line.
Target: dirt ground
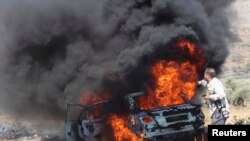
[(236, 113)]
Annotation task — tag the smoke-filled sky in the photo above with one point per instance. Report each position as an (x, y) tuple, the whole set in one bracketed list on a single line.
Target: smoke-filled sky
[(51, 51)]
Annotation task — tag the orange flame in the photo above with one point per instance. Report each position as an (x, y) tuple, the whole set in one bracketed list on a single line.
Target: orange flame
[(121, 130), (173, 78), (196, 54), (91, 97)]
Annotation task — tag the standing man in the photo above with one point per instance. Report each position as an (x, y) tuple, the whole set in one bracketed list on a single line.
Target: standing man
[(215, 97)]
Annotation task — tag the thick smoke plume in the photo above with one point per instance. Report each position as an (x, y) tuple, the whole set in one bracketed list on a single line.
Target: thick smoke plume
[(54, 50)]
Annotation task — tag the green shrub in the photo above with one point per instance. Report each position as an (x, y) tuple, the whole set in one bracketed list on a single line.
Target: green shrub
[(239, 95), (237, 90)]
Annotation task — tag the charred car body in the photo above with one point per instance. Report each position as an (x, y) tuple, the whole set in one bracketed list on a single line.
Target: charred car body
[(157, 123), (166, 122), (80, 124)]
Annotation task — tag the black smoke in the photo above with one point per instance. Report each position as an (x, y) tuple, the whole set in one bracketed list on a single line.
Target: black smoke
[(53, 50)]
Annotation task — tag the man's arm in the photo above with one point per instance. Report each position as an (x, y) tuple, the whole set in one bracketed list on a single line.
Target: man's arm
[(202, 82)]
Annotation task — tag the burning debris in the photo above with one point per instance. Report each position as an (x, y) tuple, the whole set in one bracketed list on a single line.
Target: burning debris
[(54, 52)]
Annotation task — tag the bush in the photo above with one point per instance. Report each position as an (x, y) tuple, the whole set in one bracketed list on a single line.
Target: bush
[(237, 91), (239, 95)]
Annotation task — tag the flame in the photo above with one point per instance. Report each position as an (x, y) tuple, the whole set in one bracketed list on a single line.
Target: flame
[(121, 130), (172, 78), (196, 54), (91, 97)]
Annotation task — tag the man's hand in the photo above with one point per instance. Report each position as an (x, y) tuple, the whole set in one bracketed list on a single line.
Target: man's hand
[(207, 97)]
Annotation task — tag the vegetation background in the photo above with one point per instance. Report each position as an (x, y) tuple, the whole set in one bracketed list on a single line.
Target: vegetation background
[(236, 70)]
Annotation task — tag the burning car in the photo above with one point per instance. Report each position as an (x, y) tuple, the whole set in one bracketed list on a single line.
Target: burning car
[(82, 123), (164, 112), (153, 124), (166, 122)]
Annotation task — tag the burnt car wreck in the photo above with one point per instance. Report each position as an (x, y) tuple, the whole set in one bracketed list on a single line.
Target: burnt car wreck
[(160, 123), (82, 126)]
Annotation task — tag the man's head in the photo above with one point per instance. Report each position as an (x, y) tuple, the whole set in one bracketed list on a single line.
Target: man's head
[(210, 73)]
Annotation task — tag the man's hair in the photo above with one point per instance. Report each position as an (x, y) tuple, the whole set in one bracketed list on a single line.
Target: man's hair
[(211, 72)]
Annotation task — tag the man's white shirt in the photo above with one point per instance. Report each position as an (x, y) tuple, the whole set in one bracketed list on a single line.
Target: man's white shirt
[(217, 91)]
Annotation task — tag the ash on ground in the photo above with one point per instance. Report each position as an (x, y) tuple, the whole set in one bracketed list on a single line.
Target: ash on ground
[(17, 131)]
